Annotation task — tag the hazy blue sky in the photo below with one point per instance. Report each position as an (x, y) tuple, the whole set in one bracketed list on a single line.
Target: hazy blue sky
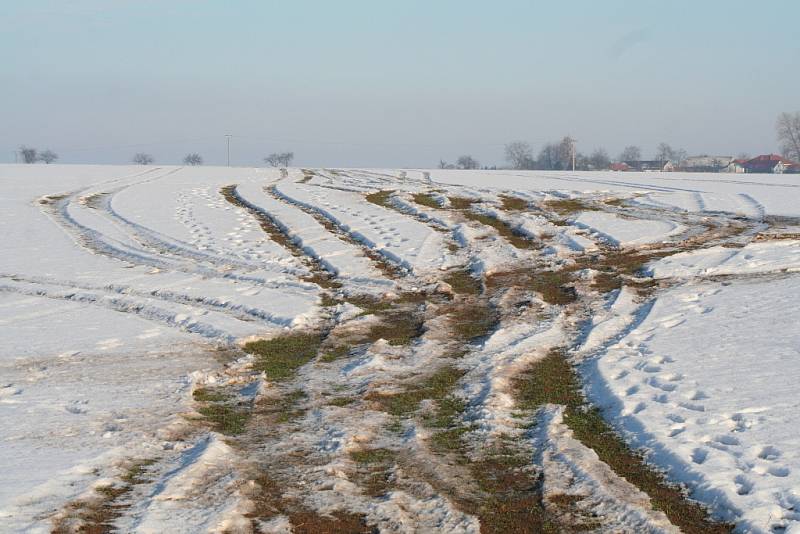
[(384, 83)]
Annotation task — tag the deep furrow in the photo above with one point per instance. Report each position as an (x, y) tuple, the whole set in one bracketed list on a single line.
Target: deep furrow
[(388, 265), (276, 231)]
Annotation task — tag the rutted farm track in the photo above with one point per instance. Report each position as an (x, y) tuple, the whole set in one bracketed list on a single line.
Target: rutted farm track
[(437, 386)]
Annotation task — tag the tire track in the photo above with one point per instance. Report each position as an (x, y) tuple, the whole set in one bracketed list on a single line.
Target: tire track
[(321, 274), (391, 266), (237, 311)]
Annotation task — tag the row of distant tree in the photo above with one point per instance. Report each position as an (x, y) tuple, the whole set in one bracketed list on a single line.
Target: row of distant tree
[(33, 155), (276, 159), (559, 155)]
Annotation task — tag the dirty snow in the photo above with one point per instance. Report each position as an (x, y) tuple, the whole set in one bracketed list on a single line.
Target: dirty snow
[(121, 288)]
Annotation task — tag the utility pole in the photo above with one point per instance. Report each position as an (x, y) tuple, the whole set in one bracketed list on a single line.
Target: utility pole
[(572, 146), (228, 138)]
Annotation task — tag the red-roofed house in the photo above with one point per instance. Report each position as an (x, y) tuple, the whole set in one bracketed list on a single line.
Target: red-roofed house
[(771, 163)]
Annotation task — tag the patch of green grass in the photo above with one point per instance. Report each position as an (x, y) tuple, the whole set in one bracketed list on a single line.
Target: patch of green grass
[(446, 412), (463, 282), (327, 301), (286, 407), (473, 321), (512, 499), (381, 198), (426, 199), (341, 401), (283, 408), (209, 395), (513, 203), (461, 203), (555, 287), (280, 357), (225, 418), (553, 380), (605, 282), (369, 304), (136, 473), (398, 328), (567, 206), (615, 266), (51, 199), (335, 353), (435, 387), (449, 440), (371, 456), (323, 279), (511, 235)]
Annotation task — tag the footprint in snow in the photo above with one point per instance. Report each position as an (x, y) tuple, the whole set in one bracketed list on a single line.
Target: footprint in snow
[(677, 429), (692, 406), (744, 486), (769, 453), (697, 395), (778, 471), (663, 386), (699, 455), (76, 407), (727, 439), (636, 408)]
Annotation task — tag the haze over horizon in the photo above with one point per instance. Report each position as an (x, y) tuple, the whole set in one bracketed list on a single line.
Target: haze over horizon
[(357, 83)]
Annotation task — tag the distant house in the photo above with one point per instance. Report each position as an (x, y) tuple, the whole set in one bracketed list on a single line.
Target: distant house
[(736, 166), (619, 167), (706, 163), (650, 165), (771, 163)]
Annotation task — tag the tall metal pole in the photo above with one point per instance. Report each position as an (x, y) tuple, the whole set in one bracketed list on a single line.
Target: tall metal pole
[(573, 154), (228, 138)]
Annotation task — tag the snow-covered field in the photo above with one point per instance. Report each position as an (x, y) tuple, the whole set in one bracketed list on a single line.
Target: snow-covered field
[(127, 293)]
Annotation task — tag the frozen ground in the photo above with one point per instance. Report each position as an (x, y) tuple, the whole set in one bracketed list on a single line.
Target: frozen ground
[(123, 290)]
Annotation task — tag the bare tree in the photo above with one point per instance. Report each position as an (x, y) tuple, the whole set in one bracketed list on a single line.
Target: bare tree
[(444, 165), (280, 159), (565, 148), (599, 159), (467, 162), (48, 156), (664, 152), (631, 153), (193, 159), (29, 154), (520, 155), (141, 158), (788, 129), (549, 157)]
